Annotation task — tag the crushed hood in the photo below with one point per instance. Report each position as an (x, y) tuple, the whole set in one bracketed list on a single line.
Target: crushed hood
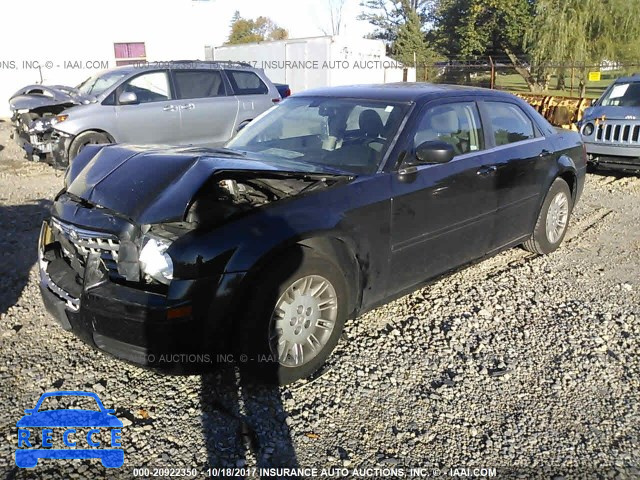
[(153, 185), (612, 113), (38, 96)]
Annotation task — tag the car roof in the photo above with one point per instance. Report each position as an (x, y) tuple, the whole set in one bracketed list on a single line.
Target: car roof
[(633, 78), (181, 64), (400, 91)]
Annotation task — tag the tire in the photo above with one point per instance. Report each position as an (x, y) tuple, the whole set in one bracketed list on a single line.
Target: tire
[(553, 219), (264, 361), (84, 139)]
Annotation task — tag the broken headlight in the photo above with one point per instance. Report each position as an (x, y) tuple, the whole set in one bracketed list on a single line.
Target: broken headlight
[(44, 124), (154, 259)]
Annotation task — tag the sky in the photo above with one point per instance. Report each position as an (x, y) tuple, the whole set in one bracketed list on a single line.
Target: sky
[(208, 21)]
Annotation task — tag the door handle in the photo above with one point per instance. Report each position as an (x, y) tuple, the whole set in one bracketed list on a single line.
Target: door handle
[(188, 106), (544, 153), (486, 171), (169, 108)]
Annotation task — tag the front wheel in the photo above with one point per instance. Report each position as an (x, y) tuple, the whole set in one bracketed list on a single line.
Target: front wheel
[(296, 317), (553, 220), (84, 139)]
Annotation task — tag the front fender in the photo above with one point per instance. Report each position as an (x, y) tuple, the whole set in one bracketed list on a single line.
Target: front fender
[(242, 244)]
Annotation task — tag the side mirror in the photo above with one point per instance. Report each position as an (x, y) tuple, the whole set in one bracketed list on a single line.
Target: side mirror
[(434, 152), (128, 98)]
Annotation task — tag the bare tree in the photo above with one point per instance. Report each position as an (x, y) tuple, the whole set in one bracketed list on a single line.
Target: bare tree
[(334, 8)]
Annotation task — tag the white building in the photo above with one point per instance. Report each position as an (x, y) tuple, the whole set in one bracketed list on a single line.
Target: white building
[(312, 62)]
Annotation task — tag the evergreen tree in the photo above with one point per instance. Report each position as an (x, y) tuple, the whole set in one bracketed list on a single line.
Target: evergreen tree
[(410, 46)]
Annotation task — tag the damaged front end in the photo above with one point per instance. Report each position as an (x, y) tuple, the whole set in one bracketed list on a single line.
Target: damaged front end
[(35, 110), (124, 268)]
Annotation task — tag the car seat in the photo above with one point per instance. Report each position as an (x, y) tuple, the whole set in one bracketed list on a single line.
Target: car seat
[(370, 123), (444, 126)]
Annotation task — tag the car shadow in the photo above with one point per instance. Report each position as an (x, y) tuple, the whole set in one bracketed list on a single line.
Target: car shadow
[(603, 171), (243, 418), (245, 424), (19, 230)]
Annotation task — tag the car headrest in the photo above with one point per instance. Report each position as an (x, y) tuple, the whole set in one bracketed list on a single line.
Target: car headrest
[(445, 122), (370, 123)]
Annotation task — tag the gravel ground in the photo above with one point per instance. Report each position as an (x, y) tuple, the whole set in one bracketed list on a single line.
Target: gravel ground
[(522, 363)]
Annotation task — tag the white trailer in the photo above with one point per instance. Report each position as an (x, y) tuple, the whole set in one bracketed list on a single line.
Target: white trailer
[(312, 62)]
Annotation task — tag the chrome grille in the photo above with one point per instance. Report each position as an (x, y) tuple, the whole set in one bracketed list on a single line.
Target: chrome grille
[(617, 132), (89, 241)]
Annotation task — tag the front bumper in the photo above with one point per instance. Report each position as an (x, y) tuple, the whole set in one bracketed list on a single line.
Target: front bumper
[(50, 145), (614, 157), (36, 145), (613, 144), (60, 143), (180, 331)]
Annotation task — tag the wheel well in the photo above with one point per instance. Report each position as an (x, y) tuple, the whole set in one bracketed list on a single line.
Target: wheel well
[(570, 178), (344, 258), (96, 130), (91, 130), (333, 249)]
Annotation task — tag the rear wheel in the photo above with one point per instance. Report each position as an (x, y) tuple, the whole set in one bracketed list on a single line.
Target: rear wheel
[(84, 139), (553, 220), (296, 317)]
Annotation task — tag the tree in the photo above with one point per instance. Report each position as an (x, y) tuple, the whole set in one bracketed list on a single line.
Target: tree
[(552, 33), (245, 30), (410, 46), (335, 8), (387, 16), (588, 32), (470, 28)]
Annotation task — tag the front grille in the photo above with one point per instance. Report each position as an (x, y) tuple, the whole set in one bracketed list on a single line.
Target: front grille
[(617, 133), (85, 242)]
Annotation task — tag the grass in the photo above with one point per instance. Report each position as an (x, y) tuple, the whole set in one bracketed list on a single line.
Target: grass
[(515, 83)]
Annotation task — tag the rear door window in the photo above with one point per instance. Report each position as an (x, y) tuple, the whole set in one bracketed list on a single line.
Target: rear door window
[(509, 123), (198, 84), (246, 83)]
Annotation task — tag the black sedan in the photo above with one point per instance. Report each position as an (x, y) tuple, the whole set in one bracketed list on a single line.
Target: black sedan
[(330, 204)]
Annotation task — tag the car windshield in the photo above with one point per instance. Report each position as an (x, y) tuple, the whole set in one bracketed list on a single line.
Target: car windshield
[(350, 134), (78, 402), (622, 95), (99, 83)]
